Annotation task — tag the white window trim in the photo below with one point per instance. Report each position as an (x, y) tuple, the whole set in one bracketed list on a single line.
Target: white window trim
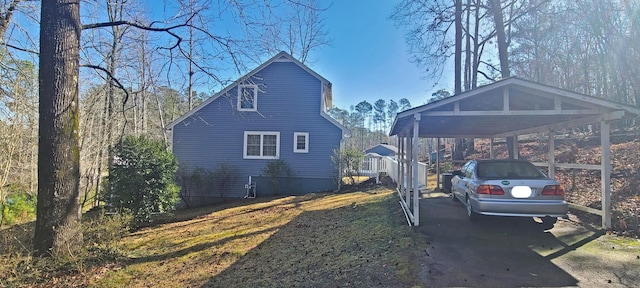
[(295, 142), (255, 97), (262, 134)]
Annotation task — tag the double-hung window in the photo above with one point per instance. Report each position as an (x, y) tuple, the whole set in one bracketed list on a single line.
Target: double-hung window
[(261, 145), (247, 97), (300, 142)]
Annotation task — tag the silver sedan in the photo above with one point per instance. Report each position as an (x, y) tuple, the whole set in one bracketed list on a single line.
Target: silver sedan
[(508, 188)]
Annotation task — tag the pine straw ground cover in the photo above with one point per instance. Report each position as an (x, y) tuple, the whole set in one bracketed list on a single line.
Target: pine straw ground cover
[(319, 240)]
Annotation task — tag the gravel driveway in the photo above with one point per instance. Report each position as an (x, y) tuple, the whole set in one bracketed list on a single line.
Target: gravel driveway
[(518, 252)]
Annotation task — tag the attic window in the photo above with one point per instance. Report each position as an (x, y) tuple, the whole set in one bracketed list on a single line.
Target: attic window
[(247, 97)]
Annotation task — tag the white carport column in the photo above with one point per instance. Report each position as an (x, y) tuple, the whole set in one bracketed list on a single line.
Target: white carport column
[(378, 163), (437, 164), (516, 151), (406, 171), (409, 171), (399, 158), (491, 150), (414, 170), (551, 158), (605, 174)]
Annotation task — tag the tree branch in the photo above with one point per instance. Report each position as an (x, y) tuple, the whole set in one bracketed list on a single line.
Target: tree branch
[(126, 98), (20, 49)]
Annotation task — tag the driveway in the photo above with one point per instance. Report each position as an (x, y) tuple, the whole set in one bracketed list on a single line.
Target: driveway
[(518, 252)]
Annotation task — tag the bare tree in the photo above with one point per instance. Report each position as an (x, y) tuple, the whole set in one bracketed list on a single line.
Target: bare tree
[(501, 36), (503, 55), (295, 26), (586, 46), (305, 29), (8, 8), (427, 24), (13, 35), (18, 127)]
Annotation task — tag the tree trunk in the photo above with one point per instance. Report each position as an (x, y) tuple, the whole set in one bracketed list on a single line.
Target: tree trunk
[(58, 228), (467, 58), (458, 49), (503, 54), (458, 153)]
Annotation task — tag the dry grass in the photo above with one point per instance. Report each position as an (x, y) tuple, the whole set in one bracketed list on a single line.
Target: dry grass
[(431, 181), (354, 180), (321, 240), (314, 240)]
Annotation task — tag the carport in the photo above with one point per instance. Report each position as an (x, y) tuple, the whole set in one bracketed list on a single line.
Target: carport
[(510, 107)]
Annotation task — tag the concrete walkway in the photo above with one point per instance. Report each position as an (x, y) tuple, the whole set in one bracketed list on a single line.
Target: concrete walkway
[(518, 252)]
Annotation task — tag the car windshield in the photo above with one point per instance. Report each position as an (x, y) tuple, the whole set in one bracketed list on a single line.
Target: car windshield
[(511, 170)]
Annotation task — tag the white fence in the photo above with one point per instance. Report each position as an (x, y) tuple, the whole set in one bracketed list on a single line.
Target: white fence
[(372, 167)]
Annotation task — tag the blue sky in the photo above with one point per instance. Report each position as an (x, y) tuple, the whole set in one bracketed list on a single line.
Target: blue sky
[(368, 58)]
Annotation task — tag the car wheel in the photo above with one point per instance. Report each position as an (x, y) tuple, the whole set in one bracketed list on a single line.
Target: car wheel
[(473, 216), (453, 197), (548, 222)]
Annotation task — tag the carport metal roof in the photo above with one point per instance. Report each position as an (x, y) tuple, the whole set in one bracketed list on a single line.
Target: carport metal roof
[(509, 107)]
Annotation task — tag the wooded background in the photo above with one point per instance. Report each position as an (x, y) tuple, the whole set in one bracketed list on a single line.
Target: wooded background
[(141, 68)]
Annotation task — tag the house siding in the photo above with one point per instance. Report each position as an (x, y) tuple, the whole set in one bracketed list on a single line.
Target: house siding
[(289, 101)]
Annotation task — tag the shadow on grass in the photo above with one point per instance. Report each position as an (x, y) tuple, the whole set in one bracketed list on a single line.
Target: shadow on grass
[(362, 245), (203, 214), (175, 254), (495, 251)]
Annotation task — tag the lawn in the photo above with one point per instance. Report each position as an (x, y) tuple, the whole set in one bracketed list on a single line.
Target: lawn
[(322, 240)]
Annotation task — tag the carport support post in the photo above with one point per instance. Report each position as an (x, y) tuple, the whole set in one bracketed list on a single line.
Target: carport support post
[(491, 152), (516, 151), (409, 171), (605, 174), (437, 164), (405, 189), (551, 158), (399, 158), (378, 160), (414, 170)]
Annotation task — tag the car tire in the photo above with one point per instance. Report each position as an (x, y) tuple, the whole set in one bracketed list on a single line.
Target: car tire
[(473, 216), (548, 222), (453, 197)]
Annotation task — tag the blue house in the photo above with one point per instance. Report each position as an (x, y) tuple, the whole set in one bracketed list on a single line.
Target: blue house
[(275, 112)]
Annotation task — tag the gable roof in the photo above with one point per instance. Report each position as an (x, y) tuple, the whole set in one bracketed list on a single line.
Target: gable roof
[(391, 148), (280, 57), (372, 155), (508, 107)]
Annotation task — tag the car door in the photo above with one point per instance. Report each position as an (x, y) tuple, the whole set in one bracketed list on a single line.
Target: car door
[(458, 185), (470, 176)]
